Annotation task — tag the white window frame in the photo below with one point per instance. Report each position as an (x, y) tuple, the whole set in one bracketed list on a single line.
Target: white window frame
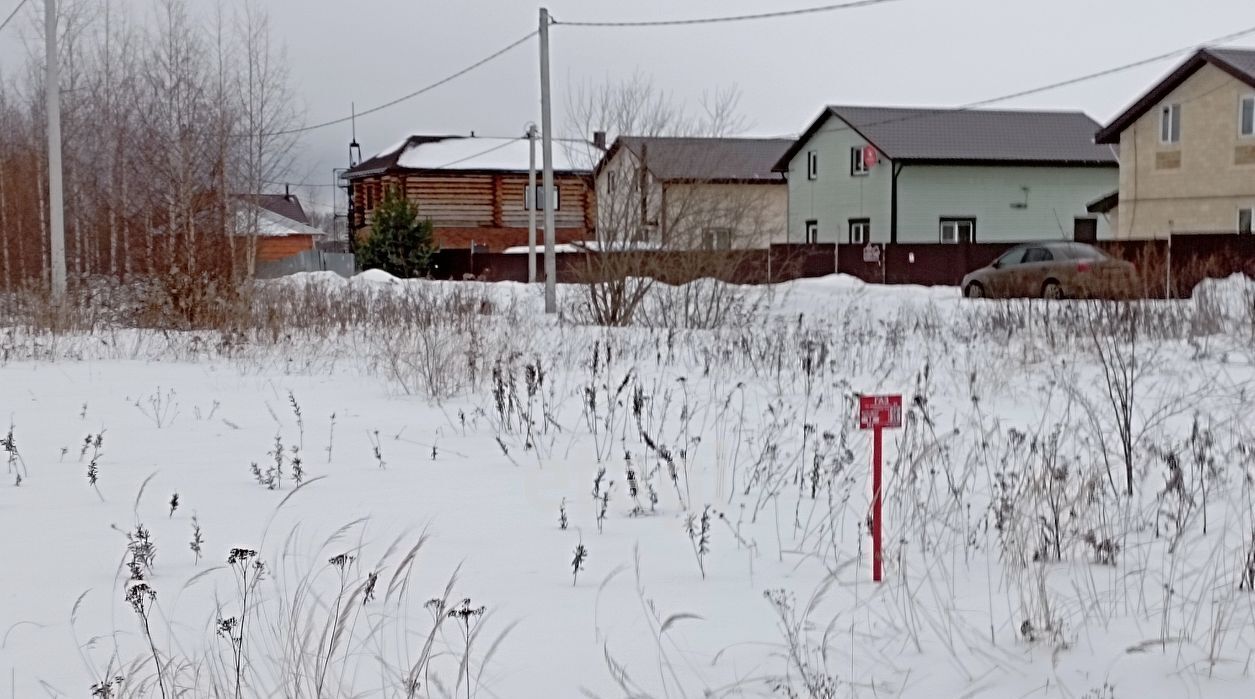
[(864, 228), (719, 238), (812, 165), (811, 232), (858, 168), (1243, 131), (1170, 124), (612, 181), (1249, 212), (953, 223), (529, 198)]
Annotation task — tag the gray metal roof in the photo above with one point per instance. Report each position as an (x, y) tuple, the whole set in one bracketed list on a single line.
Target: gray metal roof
[(1241, 60), (978, 134), (287, 206), (708, 159)]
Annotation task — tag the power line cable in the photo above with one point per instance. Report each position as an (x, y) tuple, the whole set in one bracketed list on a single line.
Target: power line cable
[(731, 18), (278, 183), (970, 106), (12, 14), (476, 155), (427, 88), (1111, 71), (555, 139)]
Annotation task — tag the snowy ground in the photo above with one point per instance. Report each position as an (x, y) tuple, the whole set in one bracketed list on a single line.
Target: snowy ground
[(1015, 565)]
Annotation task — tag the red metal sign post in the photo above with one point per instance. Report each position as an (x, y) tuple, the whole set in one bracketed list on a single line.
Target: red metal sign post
[(876, 413)]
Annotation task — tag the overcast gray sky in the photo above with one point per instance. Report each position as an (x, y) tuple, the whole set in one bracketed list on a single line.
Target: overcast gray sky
[(911, 52)]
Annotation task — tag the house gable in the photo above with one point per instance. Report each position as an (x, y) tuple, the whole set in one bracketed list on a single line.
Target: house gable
[(1239, 64), (832, 196), (692, 191), (1199, 180)]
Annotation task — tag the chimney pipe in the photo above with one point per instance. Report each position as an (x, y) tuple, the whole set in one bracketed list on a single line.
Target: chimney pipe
[(287, 192), (599, 139)]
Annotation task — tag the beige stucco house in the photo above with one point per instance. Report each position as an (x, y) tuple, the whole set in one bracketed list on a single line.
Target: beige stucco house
[(692, 193), (1187, 150)]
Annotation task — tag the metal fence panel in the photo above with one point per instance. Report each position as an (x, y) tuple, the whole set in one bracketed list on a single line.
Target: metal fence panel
[(342, 264)]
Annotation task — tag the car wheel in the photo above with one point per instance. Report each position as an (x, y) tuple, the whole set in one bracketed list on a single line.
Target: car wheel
[(974, 291), (1052, 290)]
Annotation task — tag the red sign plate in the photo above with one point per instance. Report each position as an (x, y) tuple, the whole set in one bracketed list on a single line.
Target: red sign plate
[(879, 411), (869, 156)]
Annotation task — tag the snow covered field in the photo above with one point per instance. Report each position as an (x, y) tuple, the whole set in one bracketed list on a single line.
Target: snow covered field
[(385, 470)]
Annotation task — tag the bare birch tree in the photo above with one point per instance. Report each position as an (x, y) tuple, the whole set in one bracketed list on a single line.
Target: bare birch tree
[(267, 115), (165, 126), (653, 228)]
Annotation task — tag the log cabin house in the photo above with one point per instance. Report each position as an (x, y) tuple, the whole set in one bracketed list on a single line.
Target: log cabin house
[(473, 189)]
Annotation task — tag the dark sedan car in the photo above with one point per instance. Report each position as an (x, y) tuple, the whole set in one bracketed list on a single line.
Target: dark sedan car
[(1052, 270)]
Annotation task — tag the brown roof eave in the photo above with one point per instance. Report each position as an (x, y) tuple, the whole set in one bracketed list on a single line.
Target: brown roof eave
[(729, 180), (362, 174), (988, 162), (1104, 204), (1110, 134), (783, 165), (420, 172), (607, 156)]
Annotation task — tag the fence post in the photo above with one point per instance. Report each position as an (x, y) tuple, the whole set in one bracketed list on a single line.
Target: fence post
[(1168, 291)]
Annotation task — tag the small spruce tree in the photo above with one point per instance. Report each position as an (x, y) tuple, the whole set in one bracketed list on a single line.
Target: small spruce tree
[(400, 243)]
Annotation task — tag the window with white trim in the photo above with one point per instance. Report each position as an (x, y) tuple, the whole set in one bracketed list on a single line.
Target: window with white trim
[(1170, 124), (612, 180), (858, 163), (538, 199), (717, 239), (812, 232), (1246, 220), (860, 231), (812, 165), (1246, 116), (958, 230)]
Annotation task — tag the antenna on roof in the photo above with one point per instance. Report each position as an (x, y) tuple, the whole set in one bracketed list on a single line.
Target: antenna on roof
[(355, 149)]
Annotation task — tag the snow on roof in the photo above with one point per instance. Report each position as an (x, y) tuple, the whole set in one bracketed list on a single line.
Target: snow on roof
[(272, 225), (587, 246), (540, 249), (390, 149), (475, 153)]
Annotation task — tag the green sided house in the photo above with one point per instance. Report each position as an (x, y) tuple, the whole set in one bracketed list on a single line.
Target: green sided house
[(863, 175)]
